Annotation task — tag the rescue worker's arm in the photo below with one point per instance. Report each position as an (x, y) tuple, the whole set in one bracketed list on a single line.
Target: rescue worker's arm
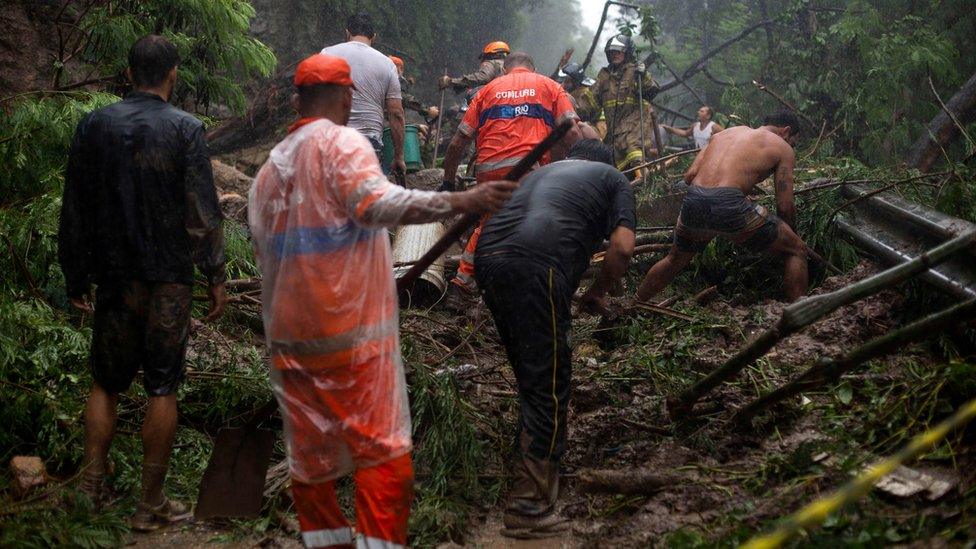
[(76, 231), (586, 106), (452, 158), (615, 265), (561, 149), (716, 128), (692, 172), (411, 102), (650, 88), (485, 73), (681, 132), (485, 197), (466, 131), (390, 205), (783, 179), (371, 200), (397, 120), (562, 110), (203, 221)]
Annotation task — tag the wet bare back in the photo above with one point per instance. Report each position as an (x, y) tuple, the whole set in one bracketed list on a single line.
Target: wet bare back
[(739, 157)]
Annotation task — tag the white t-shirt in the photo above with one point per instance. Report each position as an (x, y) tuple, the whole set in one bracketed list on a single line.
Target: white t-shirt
[(376, 80)]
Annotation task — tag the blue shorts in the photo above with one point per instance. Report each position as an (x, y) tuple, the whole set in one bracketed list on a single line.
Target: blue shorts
[(723, 211)]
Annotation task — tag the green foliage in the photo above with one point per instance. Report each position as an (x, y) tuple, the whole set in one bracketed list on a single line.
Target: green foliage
[(859, 67), (217, 53), (241, 262), (34, 137), (74, 525), (448, 457)]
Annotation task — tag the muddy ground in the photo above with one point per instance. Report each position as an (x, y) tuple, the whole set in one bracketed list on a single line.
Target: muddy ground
[(617, 421), (723, 484)]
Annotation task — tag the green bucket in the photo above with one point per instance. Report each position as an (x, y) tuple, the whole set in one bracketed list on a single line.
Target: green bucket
[(411, 149)]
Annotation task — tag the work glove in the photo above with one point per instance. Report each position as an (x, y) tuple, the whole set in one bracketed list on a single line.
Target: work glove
[(641, 68), (443, 82)]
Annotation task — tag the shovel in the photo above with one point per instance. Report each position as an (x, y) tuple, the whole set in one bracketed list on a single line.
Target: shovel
[(233, 484)]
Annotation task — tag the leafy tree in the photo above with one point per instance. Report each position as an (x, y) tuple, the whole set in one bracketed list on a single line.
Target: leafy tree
[(858, 69)]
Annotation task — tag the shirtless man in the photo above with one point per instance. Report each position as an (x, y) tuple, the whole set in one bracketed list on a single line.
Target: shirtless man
[(716, 204)]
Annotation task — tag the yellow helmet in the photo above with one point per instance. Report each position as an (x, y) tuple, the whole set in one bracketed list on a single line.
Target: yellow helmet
[(495, 48)]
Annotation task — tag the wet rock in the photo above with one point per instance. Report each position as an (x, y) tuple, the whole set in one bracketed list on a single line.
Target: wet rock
[(905, 482)]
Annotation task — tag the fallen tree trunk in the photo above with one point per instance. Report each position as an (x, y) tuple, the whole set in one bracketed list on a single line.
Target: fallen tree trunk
[(803, 313), (942, 129), (829, 371), (628, 481)]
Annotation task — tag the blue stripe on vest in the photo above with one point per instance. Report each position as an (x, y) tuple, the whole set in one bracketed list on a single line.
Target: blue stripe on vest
[(317, 240), (508, 112)]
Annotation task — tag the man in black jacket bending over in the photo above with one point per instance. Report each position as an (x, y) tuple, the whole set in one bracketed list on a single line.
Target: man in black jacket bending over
[(530, 259), (139, 210)]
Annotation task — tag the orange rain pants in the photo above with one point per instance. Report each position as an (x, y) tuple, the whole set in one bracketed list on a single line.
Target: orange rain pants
[(465, 272), (383, 496)]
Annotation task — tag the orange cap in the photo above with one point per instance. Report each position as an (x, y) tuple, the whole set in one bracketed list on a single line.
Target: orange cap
[(323, 69), (397, 61)]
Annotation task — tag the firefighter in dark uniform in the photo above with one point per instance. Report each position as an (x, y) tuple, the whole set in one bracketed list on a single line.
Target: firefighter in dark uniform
[(492, 66), (616, 93), (578, 86)]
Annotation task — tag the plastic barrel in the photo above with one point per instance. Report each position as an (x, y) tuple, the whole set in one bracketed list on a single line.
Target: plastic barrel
[(411, 149), (410, 244)]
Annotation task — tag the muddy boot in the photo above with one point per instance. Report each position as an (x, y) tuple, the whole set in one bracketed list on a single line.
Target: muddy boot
[(531, 513), (535, 527), (459, 299), (149, 518)]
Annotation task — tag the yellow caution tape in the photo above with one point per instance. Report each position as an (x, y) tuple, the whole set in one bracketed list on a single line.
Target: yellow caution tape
[(815, 513)]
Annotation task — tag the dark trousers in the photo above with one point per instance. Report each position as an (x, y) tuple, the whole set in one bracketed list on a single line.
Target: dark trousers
[(530, 303)]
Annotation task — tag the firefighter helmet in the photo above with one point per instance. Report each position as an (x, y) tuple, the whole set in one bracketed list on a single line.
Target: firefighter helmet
[(496, 48), (575, 72), (620, 42)]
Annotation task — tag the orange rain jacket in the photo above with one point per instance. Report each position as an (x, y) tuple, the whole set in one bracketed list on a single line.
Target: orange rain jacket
[(318, 211)]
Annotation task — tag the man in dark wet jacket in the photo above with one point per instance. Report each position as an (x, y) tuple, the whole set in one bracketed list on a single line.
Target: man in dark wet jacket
[(139, 211)]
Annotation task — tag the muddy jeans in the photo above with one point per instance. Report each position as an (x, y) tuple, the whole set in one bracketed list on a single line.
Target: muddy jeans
[(530, 303), (140, 324)]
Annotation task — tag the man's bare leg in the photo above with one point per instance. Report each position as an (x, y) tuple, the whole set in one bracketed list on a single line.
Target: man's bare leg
[(663, 272), (158, 431), (795, 275), (100, 419)]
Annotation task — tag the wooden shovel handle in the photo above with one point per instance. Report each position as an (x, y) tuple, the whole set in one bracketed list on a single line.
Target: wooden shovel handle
[(470, 220)]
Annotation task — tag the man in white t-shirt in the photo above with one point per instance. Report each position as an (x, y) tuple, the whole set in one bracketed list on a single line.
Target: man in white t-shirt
[(702, 130), (377, 87)]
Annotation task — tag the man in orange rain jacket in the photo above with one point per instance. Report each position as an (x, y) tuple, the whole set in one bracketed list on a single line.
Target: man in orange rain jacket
[(318, 212), (508, 117)]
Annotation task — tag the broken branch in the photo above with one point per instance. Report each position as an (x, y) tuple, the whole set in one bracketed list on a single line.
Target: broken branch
[(630, 482), (803, 313), (829, 371), (784, 102)]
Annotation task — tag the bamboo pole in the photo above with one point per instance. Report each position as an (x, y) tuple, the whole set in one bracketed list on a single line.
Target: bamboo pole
[(803, 313), (829, 371)]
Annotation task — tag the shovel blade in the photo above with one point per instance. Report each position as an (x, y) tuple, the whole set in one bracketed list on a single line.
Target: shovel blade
[(661, 211), (233, 484)]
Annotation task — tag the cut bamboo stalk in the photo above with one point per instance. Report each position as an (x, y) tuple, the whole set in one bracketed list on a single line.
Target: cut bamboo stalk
[(829, 371), (803, 313)]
